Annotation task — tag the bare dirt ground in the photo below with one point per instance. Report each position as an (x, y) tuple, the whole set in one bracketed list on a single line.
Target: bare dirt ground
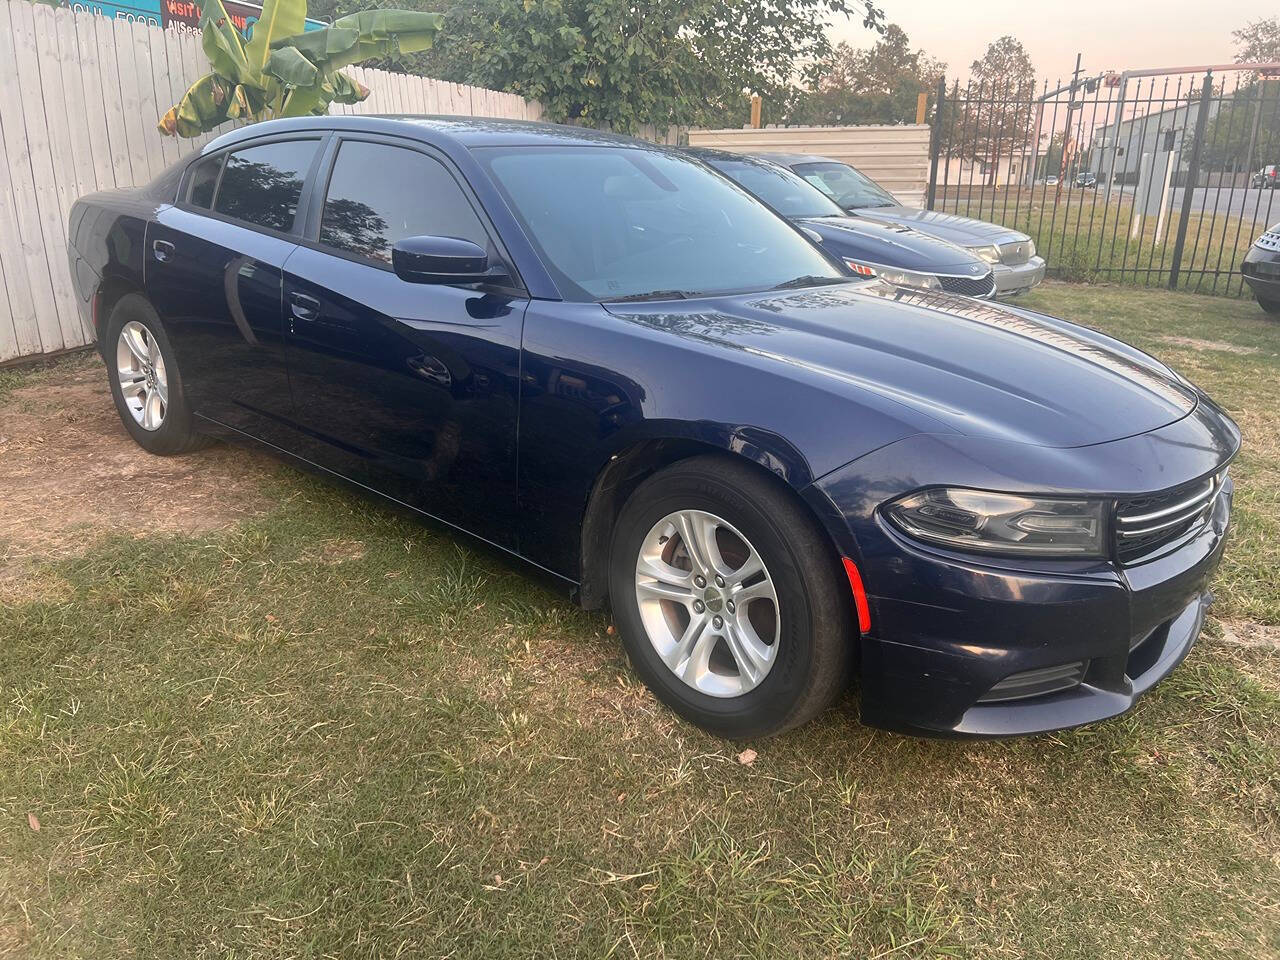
[(69, 472)]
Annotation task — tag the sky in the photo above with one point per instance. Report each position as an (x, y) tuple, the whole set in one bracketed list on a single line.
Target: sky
[(1127, 34)]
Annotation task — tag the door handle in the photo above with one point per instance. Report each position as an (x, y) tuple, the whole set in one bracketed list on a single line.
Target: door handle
[(304, 307), (163, 250)]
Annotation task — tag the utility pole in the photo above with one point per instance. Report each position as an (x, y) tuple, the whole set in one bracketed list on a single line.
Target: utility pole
[(1072, 104)]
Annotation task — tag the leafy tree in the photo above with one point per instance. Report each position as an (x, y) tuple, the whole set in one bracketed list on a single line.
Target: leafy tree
[(999, 121), (618, 64), (876, 85), (1245, 129), (1258, 40), (282, 71)]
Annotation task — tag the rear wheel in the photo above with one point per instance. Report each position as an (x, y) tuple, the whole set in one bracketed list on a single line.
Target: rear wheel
[(726, 595), (145, 381)]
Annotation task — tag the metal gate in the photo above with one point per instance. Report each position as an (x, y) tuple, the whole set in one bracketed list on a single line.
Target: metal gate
[(1149, 177)]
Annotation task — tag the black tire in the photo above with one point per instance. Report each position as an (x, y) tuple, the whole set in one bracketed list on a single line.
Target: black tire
[(812, 663), (176, 433), (1270, 306)]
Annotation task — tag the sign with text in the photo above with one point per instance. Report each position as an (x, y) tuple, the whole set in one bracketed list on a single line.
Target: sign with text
[(178, 13)]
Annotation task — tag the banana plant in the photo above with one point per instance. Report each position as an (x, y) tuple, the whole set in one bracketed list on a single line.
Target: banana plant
[(285, 72)]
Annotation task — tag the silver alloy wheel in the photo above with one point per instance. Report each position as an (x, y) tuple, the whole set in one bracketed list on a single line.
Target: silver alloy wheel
[(707, 603), (143, 380)]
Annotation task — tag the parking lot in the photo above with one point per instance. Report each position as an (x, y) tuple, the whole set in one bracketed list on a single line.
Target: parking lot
[(281, 720), (1248, 203)]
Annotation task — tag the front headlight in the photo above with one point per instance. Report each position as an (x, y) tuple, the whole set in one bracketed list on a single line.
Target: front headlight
[(1031, 248), (986, 522), (987, 251), (896, 275)]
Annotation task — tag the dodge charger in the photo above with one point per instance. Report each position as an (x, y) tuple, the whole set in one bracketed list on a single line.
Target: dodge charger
[(610, 362)]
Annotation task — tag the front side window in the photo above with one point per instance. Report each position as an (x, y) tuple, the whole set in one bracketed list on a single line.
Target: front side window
[(204, 178), (845, 185), (262, 185), (616, 222), (379, 194)]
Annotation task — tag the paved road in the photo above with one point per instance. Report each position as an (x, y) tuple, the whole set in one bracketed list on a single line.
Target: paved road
[(1264, 205)]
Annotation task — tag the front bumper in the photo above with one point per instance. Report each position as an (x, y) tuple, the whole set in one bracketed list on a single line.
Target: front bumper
[(1013, 281), (949, 630), (1261, 270), (931, 663)]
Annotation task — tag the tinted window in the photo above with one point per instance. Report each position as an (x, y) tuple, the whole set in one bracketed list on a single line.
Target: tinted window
[(845, 185), (781, 189), (614, 222), (379, 194), (204, 177), (262, 185)]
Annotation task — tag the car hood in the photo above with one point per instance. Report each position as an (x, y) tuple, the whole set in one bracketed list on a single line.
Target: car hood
[(964, 231), (960, 365), (893, 245)]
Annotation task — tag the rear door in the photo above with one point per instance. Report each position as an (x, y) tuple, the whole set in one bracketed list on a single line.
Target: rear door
[(214, 272), (411, 389)]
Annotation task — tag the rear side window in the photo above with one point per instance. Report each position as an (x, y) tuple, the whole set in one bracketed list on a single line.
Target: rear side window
[(262, 185), (379, 194), (204, 177)]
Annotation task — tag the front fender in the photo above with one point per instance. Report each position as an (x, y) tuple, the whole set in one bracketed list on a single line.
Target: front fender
[(595, 386)]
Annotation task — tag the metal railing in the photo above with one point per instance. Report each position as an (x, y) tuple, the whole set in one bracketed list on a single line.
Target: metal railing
[(1155, 178)]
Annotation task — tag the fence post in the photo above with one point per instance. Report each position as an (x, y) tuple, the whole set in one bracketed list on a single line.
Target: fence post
[(935, 143), (1193, 173)]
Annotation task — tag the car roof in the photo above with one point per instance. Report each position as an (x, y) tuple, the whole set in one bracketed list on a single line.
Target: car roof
[(714, 153), (786, 159), (464, 131)]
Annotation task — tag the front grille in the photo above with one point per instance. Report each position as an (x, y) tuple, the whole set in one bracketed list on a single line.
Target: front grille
[(980, 287), (1268, 241), (1147, 523), (1015, 252), (1036, 683)]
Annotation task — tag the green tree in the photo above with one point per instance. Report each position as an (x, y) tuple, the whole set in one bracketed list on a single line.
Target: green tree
[(999, 120), (282, 71), (1258, 40), (875, 85), (1245, 129), (620, 65)]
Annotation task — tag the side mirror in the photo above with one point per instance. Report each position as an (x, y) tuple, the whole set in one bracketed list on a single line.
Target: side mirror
[(439, 260)]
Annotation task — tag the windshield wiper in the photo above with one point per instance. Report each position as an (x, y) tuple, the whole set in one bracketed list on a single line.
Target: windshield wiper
[(808, 281), (654, 295)]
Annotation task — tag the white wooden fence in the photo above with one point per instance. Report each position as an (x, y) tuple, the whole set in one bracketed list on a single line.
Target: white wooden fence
[(80, 95), (895, 156)]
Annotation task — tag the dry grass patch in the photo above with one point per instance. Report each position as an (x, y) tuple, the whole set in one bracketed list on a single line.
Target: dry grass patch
[(1193, 343)]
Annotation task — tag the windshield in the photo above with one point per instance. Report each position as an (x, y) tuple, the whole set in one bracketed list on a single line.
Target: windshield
[(615, 222), (845, 185), (781, 189)]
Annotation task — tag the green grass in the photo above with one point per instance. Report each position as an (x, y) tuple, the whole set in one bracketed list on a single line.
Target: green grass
[(334, 732)]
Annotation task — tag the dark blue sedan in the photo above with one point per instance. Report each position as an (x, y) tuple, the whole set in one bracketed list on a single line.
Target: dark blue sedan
[(895, 253), (603, 358)]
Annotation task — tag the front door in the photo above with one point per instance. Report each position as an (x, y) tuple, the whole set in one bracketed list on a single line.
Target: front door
[(411, 389), (214, 271)]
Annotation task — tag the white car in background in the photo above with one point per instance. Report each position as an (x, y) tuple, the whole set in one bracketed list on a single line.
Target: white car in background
[(1012, 254)]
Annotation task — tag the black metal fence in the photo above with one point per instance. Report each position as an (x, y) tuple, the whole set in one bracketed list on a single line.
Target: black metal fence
[(1149, 180)]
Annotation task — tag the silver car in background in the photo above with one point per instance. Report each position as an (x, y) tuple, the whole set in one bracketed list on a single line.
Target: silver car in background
[(1012, 254)]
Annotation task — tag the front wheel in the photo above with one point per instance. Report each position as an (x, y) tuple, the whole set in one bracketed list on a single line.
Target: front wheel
[(145, 381), (1270, 306), (726, 595)]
